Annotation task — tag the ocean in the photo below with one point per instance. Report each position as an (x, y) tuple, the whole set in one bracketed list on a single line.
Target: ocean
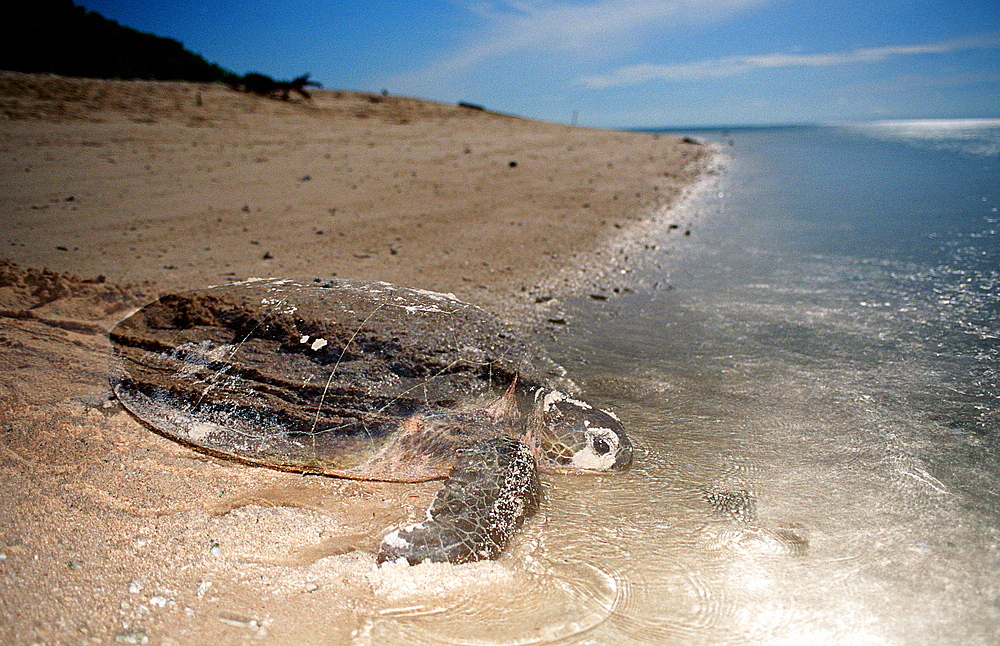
[(812, 382)]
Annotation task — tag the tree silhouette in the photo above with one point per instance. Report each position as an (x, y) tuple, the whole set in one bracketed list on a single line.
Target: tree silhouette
[(59, 37)]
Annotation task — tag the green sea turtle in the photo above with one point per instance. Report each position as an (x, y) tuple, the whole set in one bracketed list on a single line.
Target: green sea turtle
[(370, 381)]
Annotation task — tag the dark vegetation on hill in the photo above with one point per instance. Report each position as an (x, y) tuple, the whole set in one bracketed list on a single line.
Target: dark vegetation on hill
[(59, 37)]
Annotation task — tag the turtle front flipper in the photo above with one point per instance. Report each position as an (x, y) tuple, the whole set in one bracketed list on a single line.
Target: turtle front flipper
[(490, 491)]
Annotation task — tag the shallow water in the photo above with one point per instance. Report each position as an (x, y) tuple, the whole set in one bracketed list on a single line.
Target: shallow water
[(822, 355)]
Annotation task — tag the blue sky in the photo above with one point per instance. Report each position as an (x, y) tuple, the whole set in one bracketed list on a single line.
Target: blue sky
[(628, 63)]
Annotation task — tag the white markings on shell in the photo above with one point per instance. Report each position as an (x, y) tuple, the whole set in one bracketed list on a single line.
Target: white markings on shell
[(411, 309), (280, 305), (193, 357), (204, 349), (438, 295), (241, 283), (317, 344), (199, 431)]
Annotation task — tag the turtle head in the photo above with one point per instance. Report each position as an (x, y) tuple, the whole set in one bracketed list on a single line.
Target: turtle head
[(571, 435)]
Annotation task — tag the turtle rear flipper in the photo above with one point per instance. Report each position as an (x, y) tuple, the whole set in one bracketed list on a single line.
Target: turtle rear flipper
[(490, 491)]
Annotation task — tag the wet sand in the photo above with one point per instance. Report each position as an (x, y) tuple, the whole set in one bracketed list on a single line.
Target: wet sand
[(114, 192)]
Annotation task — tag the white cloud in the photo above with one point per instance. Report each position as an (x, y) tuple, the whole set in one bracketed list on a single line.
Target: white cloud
[(580, 30), (565, 26), (734, 65)]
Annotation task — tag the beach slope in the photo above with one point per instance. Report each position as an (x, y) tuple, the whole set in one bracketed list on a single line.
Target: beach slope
[(114, 192)]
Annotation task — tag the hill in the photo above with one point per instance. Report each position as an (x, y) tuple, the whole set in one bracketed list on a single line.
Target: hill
[(59, 37)]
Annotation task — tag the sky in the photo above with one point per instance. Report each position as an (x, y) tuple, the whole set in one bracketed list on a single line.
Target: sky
[(624, 63)]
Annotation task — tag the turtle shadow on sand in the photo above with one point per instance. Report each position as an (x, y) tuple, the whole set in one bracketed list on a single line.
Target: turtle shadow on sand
[(367, 381)]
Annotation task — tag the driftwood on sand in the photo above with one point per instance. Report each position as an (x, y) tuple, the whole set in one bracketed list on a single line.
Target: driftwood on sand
[(260, 84)]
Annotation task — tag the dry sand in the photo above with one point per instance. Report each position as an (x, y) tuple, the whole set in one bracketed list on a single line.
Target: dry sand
[(113, 192)]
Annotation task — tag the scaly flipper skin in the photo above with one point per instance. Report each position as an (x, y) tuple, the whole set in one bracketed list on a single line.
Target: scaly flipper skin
[(491, 490)]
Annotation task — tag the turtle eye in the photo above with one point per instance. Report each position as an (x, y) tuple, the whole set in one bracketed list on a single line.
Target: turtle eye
[(601, 443)]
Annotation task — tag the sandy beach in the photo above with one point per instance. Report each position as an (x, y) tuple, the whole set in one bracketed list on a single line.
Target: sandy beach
[(112, 193)]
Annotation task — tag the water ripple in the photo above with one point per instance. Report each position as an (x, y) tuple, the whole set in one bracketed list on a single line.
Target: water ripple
[(532, 598)]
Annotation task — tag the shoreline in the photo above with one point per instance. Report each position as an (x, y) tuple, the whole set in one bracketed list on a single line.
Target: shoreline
[(114, 192), (604, 273), (187, 185)]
